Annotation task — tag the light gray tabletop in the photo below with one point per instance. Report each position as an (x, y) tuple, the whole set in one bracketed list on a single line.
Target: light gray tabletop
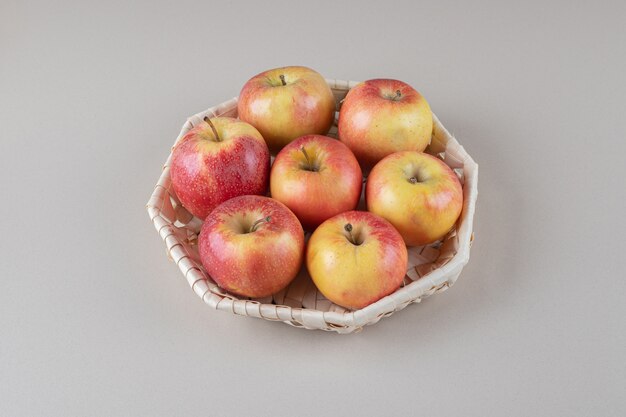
[(94, 319)]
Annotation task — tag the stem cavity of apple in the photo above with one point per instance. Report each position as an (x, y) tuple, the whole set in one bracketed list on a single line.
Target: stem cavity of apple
[(217, 137), (351, 238), (257, 223), (310, 166), (282, 79), (390, 96)]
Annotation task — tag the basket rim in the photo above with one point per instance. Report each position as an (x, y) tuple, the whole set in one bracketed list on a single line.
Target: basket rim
[(437, 280)]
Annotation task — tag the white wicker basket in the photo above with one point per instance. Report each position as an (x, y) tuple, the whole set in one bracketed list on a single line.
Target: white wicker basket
[(432, 268)]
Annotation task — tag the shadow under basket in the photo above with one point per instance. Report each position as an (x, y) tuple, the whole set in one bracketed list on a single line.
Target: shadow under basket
[(431, 268)]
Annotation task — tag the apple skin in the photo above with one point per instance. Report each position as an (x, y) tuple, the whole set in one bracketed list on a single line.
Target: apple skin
[(314, 196), (206, 172), (282, 113), (355, 276), (375, 121), (423, 211), (249, 263)]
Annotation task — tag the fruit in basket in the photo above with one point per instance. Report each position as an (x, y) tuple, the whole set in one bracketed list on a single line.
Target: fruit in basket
[(356, 258), (317, 177), (219, 159), (418, 193), (286, 103), (252, 246), (382, 116)]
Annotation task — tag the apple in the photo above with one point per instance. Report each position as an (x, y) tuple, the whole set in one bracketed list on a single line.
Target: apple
[(217, 160), (286, 103), (356, 258), (418, 193), (252, 246), (379, 117), (317, 177)]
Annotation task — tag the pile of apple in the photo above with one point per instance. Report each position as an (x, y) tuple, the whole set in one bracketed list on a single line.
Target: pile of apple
[(253, 245)]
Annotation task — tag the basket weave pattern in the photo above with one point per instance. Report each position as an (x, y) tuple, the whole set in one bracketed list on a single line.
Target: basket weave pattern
[(431, 268)]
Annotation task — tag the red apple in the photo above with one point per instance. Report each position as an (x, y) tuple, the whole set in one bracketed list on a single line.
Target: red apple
[(379, 117), (418, 193), (252, 246), (317, 177), (356, 258), (219, 159), (286, 103)]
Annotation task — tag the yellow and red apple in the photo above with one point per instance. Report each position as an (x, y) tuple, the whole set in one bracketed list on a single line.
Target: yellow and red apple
[(286, 103), (317, 177), (356, 258), (252, 246), (418, 193), (219, 159), (382, 116)]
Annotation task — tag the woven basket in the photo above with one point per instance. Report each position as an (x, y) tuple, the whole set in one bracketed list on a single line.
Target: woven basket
[(431, 269)]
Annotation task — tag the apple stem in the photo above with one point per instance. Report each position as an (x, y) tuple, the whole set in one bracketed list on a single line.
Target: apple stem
[(413, 180), (308, 161), (348, 228), (282, 79), (217, 137), (256, 224), (398, 93)]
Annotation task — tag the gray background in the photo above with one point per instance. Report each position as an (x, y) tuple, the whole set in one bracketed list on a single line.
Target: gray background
[(94, 319)]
